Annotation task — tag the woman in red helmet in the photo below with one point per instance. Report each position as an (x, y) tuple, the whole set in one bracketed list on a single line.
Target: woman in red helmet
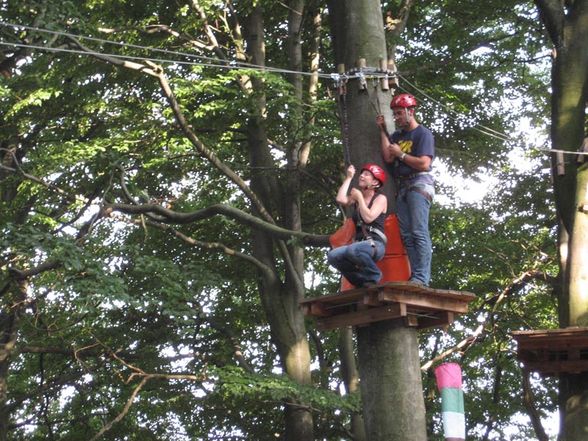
[(357, 261)]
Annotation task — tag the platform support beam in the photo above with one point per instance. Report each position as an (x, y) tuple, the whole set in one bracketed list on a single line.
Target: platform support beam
[(391, 386)]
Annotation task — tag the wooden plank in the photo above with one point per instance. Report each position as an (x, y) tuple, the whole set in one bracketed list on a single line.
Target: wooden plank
[(555, 367), (443, 318), (552, 355), (414, 287), (371, 298), (361, 306), (423, 301), (321, 308), (318, 310), (560, 342), (574, 354), (353, 294), (361, 317), (564, 338), (544, 333)]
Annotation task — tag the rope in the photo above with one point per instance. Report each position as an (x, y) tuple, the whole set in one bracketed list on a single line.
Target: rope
[(341, 82)]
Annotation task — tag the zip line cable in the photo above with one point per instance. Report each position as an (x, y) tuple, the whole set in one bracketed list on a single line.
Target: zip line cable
[(124, 57), (479, 127), (101, 40), (233, 65), (215, 61), (484, 129), (117, 43)]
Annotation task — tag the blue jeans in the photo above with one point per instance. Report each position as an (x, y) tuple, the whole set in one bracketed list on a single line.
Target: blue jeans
[(357, 261), (412, 210)]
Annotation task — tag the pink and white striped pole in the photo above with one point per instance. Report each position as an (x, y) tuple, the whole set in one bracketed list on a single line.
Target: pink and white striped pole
[(449, 383)]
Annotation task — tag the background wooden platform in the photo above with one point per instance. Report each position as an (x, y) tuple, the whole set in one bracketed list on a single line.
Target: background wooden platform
[(552, 351), (417, 305)]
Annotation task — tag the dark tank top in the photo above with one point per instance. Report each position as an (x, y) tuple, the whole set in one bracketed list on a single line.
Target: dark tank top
[(377, 223)]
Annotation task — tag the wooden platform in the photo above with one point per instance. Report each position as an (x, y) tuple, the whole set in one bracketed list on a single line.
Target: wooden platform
[(553, 351), (416, 305)]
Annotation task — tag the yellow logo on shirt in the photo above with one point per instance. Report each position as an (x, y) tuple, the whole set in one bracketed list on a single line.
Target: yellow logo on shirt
[(405, 145)]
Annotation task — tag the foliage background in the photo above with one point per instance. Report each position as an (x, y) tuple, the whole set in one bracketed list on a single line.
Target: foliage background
[(127, 302)]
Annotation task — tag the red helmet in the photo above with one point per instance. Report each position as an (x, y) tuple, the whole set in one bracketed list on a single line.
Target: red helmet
[(403, 100), (377, 171)]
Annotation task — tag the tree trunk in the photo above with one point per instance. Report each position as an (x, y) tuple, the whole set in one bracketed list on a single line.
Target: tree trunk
[(391, 386), (280, 298), (351, 379), (14, 300), (578, 252), (567, 26), (358, 33), (389, 365)]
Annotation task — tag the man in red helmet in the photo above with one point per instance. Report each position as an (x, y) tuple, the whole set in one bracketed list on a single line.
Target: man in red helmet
[(357, 261), (408, 154)]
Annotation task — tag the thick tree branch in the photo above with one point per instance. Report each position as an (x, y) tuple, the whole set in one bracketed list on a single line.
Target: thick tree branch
[(213, 246), (528, 401), (213, 42), (150, 70), (206, 152), (48, 265), (220, 209), (18, 170), (395, 25)]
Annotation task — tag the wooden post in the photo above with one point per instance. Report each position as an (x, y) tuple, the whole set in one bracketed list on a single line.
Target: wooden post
[(384, 81), (393, 82), (560, 164)]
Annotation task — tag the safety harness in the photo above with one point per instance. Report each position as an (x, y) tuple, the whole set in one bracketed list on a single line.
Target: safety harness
[(368, 231), (415, 188)]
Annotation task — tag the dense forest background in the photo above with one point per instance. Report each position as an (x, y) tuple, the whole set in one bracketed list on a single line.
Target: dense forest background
[(167, 184)]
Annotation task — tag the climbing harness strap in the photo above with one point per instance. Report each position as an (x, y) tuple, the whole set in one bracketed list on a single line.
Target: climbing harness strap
[(412, 175), (377, 232), (423, 192), (368, 231)]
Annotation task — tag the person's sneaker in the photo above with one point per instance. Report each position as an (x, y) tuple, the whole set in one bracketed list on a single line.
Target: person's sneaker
[(417, 282)]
